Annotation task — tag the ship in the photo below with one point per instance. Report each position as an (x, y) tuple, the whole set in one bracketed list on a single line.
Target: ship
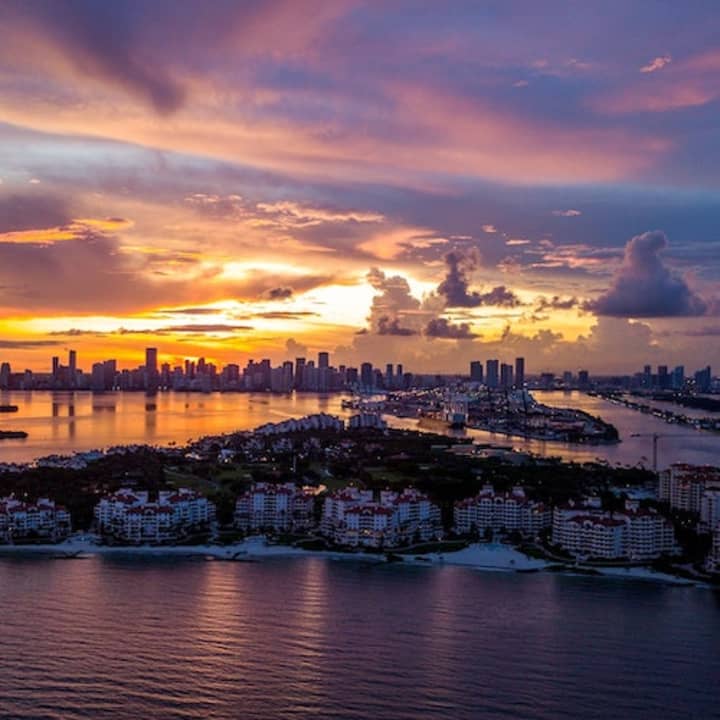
[(8, 408), (12, 434)]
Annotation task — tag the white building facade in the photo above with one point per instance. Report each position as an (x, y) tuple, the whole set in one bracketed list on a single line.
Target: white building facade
[(683, 486), (21, 521), (277, 507), (131, 517), (585, 530), (501, 512), (354, 518)]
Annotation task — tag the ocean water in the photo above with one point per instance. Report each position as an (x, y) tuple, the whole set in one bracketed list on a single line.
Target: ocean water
[(62, 422), (136, 638)]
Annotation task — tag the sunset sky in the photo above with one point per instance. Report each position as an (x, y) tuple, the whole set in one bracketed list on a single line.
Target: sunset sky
[(416, 182)]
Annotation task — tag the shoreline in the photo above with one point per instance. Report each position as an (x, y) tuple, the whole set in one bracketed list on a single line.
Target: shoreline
[(481, 557)]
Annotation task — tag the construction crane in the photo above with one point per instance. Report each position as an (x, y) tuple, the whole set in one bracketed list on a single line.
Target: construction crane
[(655, 437)]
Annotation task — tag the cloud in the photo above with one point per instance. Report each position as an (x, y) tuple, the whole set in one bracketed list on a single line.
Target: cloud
[(99, 41), (19, 213), (393, 300), (442, 328), (391, 326), (644, 287), (454, 287), (555, 303), (295, 349), (27, 344), (279, 293), (657, 64), (566, 213)]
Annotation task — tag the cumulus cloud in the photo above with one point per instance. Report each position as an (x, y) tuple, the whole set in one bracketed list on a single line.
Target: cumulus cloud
[(645, 287), (657, 63), (442, 328), (455, 286), (393, 301), (295, 349), (391, 326)]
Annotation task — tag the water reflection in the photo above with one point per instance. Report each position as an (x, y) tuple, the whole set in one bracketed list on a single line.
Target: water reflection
[(62, 422)]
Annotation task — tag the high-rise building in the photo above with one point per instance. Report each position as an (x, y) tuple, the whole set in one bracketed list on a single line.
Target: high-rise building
[(519, 372), (506, 375), (72, 368), (493, 373), (323, 360), (299, 372), (647, 377), (476, 371), (663, 377), (583, 379), (389, 378), (151, 361), (366, 375), (5, 376), (678, 377)]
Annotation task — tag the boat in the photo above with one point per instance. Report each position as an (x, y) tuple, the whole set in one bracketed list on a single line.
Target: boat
[(12, 434), (8, 408)]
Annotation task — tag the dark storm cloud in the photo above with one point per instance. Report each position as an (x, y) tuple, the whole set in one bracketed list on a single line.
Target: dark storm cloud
[(442, 328), (645, 287), (455, 286)]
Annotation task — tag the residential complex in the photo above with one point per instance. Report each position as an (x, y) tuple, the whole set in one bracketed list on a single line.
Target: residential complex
[(354, 518), (585, 530), (131, 517), (273, 507), (713, 561), (683, 486), (21, 521), (509, 512)]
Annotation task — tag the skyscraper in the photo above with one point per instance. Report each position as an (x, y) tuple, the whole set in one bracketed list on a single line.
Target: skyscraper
[(476, 371), (366, 375), (493, 374), (72, 368), (323, 360), (520, 372), (151, 361), (506, 375)]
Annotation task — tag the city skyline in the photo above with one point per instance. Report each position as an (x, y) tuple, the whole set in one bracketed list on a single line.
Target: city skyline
[(376, 181), (319, 374)]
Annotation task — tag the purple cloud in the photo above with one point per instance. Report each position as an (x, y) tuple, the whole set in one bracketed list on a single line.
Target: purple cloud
[(442, 328), (455, 287), (645, 287)]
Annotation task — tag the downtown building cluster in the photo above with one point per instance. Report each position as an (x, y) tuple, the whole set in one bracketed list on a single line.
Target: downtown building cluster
[(302, 374), (25, 522), (695, 489), (131, 517)]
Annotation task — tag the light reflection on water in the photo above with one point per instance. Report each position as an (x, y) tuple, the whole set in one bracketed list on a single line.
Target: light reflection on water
[(64, 422), (121, 637)]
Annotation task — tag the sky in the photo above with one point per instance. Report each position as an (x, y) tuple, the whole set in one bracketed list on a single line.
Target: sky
[(417, 182)]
